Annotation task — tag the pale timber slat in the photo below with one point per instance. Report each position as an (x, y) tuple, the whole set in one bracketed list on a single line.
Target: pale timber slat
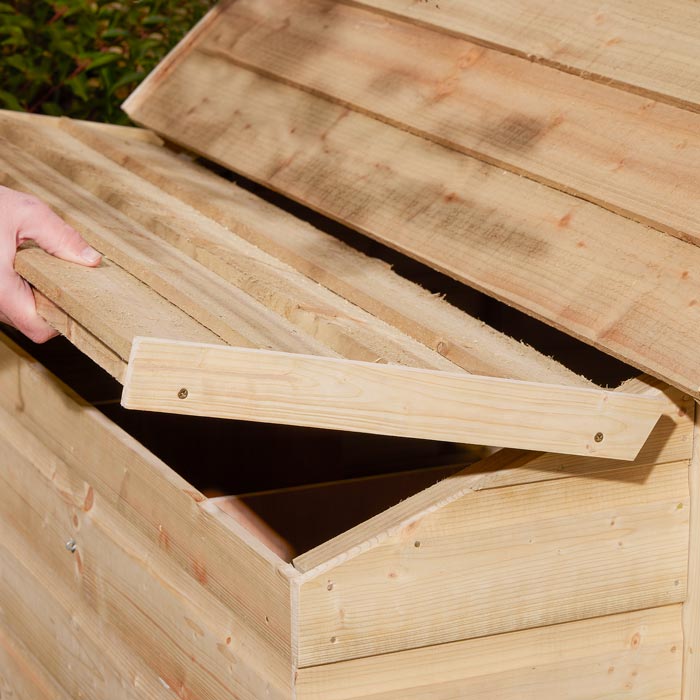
[(227, 311), (357, 396), (633, 655), (312, 308), (508, 558), (691, 607), (620, 150), (253, 584), (671, 440), (639, 45), (113, 304), (366, 282), (158, 610), (21, 675), (85, 341), (627, 289)]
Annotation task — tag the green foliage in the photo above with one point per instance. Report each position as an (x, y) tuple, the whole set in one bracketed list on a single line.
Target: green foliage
[(81, 58)]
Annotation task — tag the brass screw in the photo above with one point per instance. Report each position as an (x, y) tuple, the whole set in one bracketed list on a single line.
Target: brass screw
[(599, 437), (183, 393)]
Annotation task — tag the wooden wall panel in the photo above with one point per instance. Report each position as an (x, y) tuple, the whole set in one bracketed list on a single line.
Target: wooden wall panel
[(504, 559), (634, 655), (154, 528)]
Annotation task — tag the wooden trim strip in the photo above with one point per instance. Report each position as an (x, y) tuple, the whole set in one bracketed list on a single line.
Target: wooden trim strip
[(209, 380)]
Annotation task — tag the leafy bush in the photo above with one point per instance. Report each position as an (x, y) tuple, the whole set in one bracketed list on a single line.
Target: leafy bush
[(81, 58)]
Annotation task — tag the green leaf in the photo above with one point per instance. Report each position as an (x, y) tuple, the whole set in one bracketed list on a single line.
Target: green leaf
[(104, 59), (78, 86), (9, 101), (5, 7), (154, 19), (130, 77), (114, 32)]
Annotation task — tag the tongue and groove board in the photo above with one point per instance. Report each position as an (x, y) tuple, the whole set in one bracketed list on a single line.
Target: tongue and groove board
[(609, 280)]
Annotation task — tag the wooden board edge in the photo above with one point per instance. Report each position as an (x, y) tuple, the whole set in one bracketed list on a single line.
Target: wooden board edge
[(297, 389), (691, 607)]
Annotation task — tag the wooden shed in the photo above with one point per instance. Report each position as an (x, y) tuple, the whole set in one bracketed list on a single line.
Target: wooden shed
[(405, 302)]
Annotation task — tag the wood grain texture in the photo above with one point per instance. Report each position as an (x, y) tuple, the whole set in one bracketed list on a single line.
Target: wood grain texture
[(364, 397), (21, 675), (691, 607), (633, 655), (671, 440), (85, 341), (501, 560), (113, 304), (168, 520), (624, 288), (306, 305), (225, 310), (553, 127), (643, 47), (367, 282)]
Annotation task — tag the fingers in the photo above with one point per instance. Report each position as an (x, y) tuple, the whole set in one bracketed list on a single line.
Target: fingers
[(37, 222), (17, 307)]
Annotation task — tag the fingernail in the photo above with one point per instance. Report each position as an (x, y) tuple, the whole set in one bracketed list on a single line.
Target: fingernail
[(90, 255)]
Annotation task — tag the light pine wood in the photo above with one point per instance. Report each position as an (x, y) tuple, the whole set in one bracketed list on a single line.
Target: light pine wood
[(364, 397), (30, 119), (21, 675), (691, 607), (671, 440), (367, 282), (308, 306), (627, 289), (225, 310), (131, 585), (633, 655), (553, 127), (113, 304), (641, 46), (161, 516), (501, 560), (85, 341)]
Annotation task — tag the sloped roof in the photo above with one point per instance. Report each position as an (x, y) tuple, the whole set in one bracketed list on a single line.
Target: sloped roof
[(565, 186)]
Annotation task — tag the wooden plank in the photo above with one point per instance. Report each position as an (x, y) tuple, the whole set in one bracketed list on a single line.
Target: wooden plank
[(644, 47), (182, 633), (633, 655), (614, 283), (691, 607), (85, 341), (508, 558), (553, 127), (384, 399), (115, 306), (252, 584), (307, 306), (108, 130), (21, 675), (225, 310), (671, 440), (367, 282)]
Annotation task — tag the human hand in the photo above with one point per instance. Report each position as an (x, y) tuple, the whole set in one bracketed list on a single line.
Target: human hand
[(24, 218)]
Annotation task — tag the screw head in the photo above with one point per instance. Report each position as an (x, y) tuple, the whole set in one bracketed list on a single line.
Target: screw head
[(183, 393), (71, 545), (598, 437)]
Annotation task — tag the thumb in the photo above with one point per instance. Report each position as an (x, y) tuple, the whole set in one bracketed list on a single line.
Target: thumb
[(17, 306), (50, 232)]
